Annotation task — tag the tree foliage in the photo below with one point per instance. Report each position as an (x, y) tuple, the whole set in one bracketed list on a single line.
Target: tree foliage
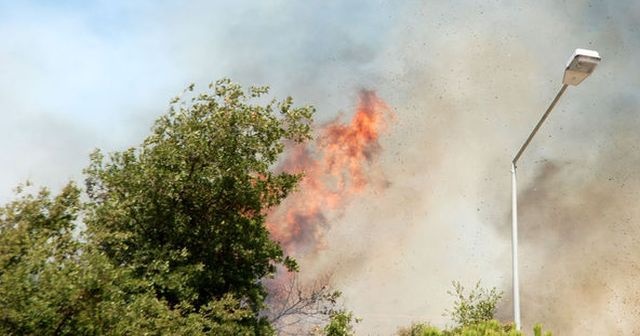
[(473, 314), (479, 305), (170, 236), (484, 328), (419, 329), (186, 209), (340, 324), (55, 283)]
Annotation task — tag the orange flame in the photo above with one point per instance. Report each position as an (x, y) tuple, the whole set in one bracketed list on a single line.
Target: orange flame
[(336, 167)]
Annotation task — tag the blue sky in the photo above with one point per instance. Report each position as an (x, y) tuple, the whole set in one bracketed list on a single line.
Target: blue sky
[(467, 79)]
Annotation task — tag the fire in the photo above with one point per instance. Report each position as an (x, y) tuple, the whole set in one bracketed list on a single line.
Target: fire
[(336, 168)]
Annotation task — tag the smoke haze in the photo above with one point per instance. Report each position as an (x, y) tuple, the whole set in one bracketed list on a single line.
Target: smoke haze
[(466, 82)]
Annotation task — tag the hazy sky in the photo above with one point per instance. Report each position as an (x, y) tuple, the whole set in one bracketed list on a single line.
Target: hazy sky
[(467, 80), (75, 75)]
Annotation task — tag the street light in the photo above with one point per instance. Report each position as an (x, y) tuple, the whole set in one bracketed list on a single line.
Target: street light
[(580, 66)]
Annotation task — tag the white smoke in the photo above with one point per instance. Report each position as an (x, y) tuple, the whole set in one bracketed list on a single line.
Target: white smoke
[(467, 81)]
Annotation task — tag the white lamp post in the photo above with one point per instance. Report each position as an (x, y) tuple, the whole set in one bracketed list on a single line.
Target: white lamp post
[(580, 66)]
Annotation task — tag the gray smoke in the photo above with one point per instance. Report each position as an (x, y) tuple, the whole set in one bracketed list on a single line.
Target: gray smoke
[(467, 81)]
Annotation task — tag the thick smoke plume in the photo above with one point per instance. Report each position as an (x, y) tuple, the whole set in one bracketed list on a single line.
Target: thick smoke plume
[(429, 202), (580, 239), (468, 82)]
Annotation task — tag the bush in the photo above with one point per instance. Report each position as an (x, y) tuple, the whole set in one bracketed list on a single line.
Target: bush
[(473, 314), (340, 324), (419, 329), (477, 306)]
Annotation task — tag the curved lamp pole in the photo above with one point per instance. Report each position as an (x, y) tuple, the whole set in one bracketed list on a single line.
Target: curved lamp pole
[(580, 66)]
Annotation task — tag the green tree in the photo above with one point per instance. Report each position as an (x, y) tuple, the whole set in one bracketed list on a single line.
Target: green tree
[(186, 209), (53, 282), (175, 241), (37, 253)]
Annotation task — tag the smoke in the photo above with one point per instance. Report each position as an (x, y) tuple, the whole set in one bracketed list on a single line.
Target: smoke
[(580, 239), (466, 81)]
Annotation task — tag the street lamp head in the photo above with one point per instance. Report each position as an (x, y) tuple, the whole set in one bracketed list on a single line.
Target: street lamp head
[(580, 66)]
